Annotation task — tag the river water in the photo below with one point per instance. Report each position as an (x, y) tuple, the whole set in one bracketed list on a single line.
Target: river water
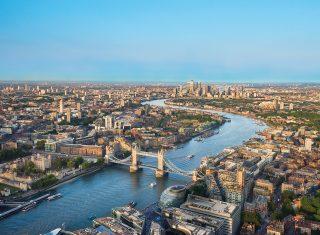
[(98, 193)]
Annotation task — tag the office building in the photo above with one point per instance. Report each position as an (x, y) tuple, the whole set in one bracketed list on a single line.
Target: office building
[(61, 108), (109, 122), (228, 212)]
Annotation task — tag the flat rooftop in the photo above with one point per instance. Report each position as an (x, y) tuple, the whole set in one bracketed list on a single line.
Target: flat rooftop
[(209, 206)]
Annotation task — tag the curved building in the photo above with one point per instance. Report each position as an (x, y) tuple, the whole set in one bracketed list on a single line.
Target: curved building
[(173, 196)]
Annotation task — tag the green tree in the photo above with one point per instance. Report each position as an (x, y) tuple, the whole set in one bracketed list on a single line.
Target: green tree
[(251, 218), (40, 144), (59, 163), (70, 163), (78, 161), (287, 209), (288, 195), (44, 182), (276, 215), (271, 206), (12, 154), (100, 161), (28, 169), (85, 165), (306, 205), (198, 188)]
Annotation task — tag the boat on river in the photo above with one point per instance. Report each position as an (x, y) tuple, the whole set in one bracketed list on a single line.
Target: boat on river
[(190, 156), (55, 196), (29, 207), (132, 204)]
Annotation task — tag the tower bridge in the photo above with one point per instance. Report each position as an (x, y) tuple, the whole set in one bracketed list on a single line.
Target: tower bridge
[(163, 166)]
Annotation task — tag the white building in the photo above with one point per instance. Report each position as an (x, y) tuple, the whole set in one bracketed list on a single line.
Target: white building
[(228, 212), (109, 122), (308, 144)]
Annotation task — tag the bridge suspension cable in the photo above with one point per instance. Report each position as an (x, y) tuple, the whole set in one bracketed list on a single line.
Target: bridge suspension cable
[(175, 169), (171, 167)]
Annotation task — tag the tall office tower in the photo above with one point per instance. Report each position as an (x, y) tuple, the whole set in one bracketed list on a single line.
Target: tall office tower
[(61, 106), (79, 114), (68, 115), (65, 92), (206, 89), (38, 88), (109, 122), (275, 104), (281, 105), (228, 91), (175, 92), (26, 88), (79, 106), (180, 88), (94, 102), (191, 86)]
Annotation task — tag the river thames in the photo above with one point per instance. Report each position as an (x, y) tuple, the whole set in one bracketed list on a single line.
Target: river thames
[(96, 194)]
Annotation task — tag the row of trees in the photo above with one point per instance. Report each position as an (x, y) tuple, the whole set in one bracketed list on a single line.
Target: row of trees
[(311, 119), (198, 117), (251, 218), (78, 121), (58, 164), (310, 206), (28, 169), (12, 154), (62, 163), (44, 182), (286, 207), (198, 188)]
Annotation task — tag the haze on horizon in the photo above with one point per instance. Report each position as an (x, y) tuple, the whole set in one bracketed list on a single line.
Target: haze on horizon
[(223, 41)]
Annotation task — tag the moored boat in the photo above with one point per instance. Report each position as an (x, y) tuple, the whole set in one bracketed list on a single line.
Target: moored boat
[(29, 207), (55, 196)]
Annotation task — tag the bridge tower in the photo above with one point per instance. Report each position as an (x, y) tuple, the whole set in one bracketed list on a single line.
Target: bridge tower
[(134, 159), (160, 169)]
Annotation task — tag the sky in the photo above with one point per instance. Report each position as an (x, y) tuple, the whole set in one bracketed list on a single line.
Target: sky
[(160, 41)]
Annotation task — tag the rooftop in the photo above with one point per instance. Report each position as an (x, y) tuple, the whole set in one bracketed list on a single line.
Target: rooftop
[(210, 206)]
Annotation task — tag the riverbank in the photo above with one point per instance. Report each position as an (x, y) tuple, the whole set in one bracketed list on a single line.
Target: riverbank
[(32, 193), (259, 121)]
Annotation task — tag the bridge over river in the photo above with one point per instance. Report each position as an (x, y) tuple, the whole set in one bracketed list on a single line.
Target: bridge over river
[(163, 167)]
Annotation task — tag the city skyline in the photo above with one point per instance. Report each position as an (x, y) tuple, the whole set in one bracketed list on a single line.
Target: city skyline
[(160, 42)]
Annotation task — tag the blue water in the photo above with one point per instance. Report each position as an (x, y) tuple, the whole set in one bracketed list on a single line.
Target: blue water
[(98, 193)]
